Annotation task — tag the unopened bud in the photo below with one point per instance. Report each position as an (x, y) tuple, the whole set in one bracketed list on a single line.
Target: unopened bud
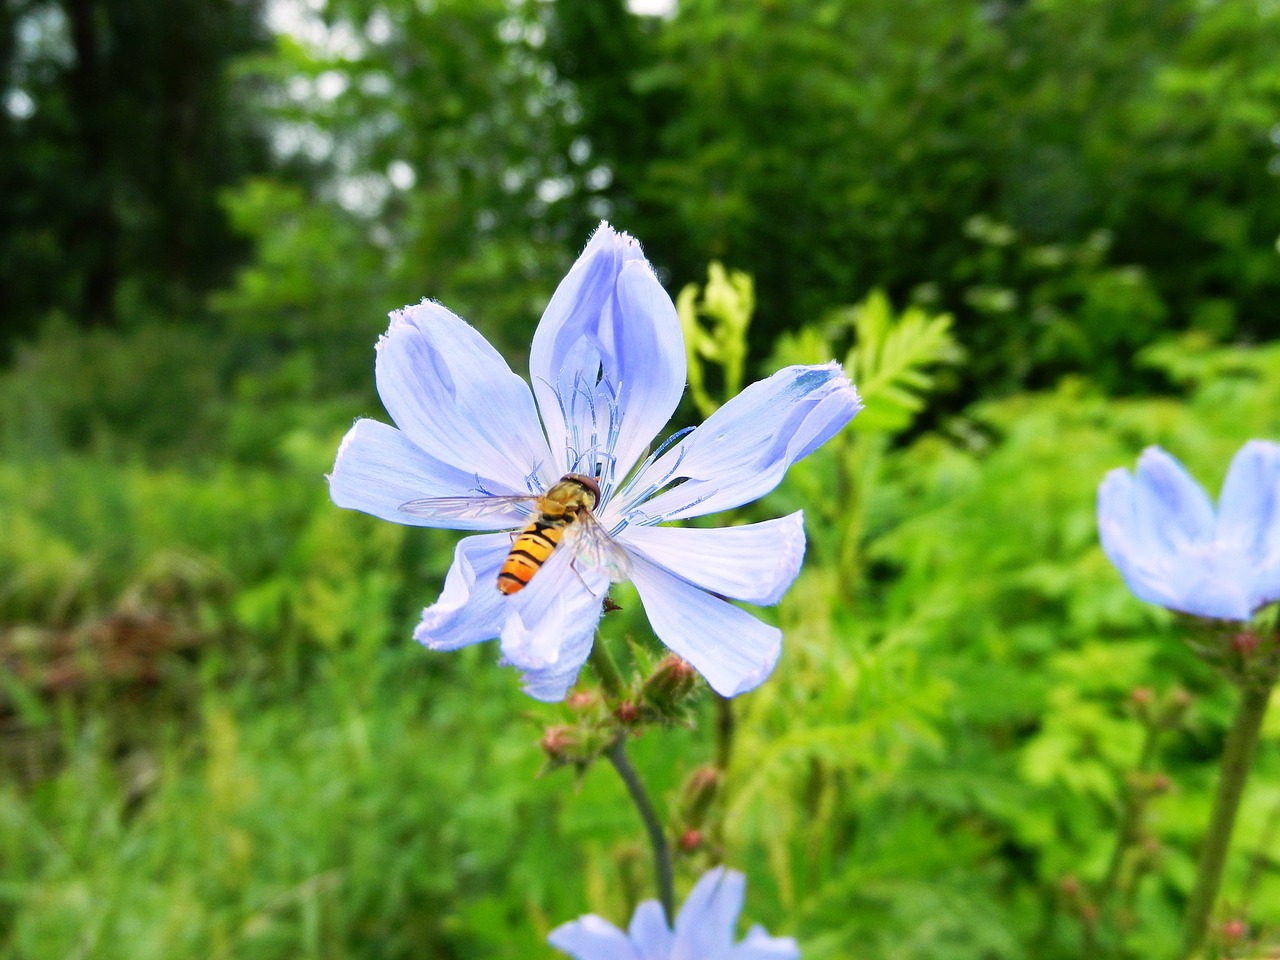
[(690, 840), (1070, 885), (1245, 643), (582, 700), (559, 741), (626, 712), (1141, 696), (1176, 705), (1159, 783), (1234, 929), (698, 793), (671, 682)]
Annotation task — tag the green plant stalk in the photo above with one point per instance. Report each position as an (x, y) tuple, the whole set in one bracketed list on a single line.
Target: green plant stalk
[(1237, 756), (606, 670), (1131, 819), (725, 726), (657, 839)]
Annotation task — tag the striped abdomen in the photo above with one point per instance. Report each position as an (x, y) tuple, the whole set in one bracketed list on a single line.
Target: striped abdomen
[(560, 506), (530, 551)]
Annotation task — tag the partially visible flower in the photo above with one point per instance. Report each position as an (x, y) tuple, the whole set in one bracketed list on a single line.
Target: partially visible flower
[(607, 366), (1159, 529), (703, 930)]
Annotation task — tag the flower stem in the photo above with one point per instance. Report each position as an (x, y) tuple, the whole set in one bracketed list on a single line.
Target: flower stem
[(606, 670), (1134, 805), (661, 851), (1237, 755), (724, 732)]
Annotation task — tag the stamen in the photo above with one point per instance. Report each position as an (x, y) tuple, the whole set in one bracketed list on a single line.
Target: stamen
[(647, 521), (634, 499)]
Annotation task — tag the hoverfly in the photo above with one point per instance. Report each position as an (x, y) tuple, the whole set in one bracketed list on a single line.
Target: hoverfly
[(561, 515)]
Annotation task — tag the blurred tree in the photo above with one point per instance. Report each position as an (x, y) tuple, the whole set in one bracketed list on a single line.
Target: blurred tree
[(831, 147), (118, 130), (435, 134)]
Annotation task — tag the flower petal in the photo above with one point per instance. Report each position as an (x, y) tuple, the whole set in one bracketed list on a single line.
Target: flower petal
[(550, 683), (1212, 582), (607, 360), (754, 562), (378, 469), (743, 449), (733, 650), (1138, 559), (760, 946), (650, 936), (1249, 510), (592, 938), (455, 397), (704, 926), (550, 624), (1182, 575), (470, 607), (1169, 506)]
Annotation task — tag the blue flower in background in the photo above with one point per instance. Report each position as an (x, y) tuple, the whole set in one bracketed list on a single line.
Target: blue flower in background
[(1159, 529), (703, 931), (473, 446)]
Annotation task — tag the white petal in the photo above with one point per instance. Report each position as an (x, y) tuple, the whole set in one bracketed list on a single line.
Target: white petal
[(456, 398), (591, 938), (760, 946), (551, 621), (1169, 506), (1140, 559), (470, 607), (733, 650), (650, 935), (1169, 568), (743, 449), (1248, 510), (378, 469), (704, 926), (754, 562), (607, 360)]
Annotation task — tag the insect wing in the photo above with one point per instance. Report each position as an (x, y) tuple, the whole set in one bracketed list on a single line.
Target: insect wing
[(470, 508), (595, 549)]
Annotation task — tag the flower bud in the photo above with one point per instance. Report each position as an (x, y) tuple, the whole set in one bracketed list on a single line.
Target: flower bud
[(670, 684), (1245, 643), (697, 795), (560, 743), (581, 700), (690, 840)]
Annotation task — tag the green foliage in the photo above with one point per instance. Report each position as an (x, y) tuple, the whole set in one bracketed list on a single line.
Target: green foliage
[(218, 738), (727, 303), (831, 148), (109, 172), (963, 711)]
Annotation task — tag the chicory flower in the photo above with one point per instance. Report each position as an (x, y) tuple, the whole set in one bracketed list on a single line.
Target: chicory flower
[(1159, 529), (607, 366), (703, 930)]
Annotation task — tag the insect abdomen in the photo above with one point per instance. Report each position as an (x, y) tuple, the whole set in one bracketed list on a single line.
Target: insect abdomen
[(530, 551)]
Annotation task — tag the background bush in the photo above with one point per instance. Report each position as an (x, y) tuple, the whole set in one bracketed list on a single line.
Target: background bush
[(1041, 235)]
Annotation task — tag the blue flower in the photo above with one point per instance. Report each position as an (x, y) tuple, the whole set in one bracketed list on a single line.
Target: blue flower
[(608, 369), (704, 930), (1159, 529)]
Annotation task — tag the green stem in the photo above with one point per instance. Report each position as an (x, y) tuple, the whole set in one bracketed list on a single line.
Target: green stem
[(657, 839), (724, 732), (1131, 818), (606, 670), (1237, 755)]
